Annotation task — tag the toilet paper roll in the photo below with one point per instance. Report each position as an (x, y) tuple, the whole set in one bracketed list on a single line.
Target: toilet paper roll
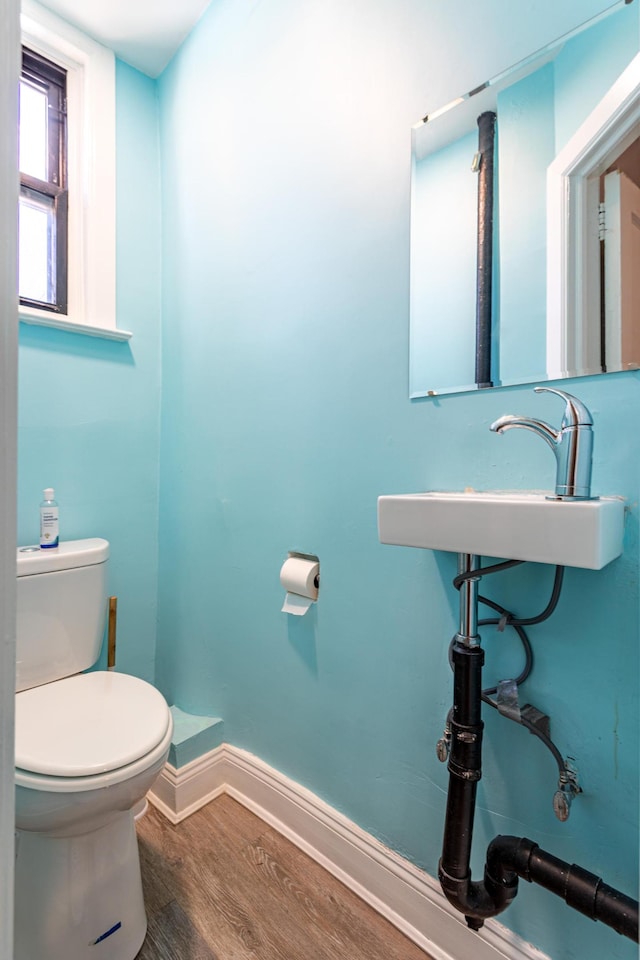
[(299, 577)]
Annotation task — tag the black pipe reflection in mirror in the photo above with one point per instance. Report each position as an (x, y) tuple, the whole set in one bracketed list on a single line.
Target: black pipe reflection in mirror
[(484, 269)]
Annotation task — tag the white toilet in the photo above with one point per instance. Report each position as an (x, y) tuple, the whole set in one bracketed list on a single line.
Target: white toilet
[(88, 748)]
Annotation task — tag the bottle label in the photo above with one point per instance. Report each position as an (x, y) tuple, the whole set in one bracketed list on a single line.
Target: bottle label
[(49, 527)]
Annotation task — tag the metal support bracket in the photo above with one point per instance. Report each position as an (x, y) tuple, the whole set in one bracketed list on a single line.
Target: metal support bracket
[(539, 720)]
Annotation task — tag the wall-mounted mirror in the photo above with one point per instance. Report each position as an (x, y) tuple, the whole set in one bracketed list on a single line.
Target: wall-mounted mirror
[(565, 301)]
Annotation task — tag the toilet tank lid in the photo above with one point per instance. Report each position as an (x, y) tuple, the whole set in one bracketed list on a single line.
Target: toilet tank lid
[(67, 556)]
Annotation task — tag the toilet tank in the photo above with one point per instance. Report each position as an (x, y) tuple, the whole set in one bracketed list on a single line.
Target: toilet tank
[(61, 610)]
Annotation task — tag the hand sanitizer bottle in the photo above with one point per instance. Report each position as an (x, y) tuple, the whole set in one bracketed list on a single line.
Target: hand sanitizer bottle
[(49, 526)]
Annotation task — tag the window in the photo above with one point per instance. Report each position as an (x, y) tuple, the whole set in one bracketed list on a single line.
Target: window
[(43, 184), (88, 72)]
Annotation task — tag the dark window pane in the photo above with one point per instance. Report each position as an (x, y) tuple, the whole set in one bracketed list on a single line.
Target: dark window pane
[(42, 279), (33, 131), (37, 248)]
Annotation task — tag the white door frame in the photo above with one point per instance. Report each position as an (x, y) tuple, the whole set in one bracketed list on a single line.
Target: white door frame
[(573, 289), (9, 53)]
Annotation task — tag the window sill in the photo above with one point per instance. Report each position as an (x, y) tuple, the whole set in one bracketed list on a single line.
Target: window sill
[(62, 323)]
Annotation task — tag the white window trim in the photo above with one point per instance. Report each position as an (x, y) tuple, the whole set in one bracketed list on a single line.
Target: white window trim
[(91, 156)]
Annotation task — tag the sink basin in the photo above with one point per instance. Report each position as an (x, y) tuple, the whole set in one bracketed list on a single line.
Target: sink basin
[(511, 526)]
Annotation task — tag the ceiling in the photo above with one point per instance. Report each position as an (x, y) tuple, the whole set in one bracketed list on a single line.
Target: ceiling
[(144, 33)]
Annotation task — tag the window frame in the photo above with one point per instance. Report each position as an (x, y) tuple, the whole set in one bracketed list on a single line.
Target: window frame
[(91, 171), (53, 78)]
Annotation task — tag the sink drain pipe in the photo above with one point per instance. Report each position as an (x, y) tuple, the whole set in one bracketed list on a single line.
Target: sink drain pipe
[(508, 858)]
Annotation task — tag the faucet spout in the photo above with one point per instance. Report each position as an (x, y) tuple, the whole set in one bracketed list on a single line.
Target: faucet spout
[(572, 444), (509, 421)]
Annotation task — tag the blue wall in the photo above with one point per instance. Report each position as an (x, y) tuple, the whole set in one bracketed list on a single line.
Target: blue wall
[(526, 148), (444, 203), (285, 149), (89, 408), (286, 162)]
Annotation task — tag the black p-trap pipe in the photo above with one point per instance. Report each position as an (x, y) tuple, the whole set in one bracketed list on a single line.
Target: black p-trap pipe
[(507, 857), (484, 267)]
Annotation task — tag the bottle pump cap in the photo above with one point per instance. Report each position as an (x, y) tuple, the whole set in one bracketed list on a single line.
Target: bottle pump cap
[(49, 493)]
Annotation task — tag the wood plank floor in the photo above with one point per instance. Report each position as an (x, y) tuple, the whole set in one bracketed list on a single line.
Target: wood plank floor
[(223, 885)]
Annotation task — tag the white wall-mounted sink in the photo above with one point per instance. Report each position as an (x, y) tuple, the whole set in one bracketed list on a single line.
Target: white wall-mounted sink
[(513, 526)]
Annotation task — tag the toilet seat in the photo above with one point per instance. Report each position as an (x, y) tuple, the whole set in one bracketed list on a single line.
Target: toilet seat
[(101, 727), (35, 781)]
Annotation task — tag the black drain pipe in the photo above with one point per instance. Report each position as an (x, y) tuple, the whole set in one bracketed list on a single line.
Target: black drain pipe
[(465, 769), (511, 856), (507, 857), (484, 275)]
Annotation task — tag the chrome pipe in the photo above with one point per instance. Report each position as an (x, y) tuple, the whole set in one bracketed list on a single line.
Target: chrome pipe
[(468, 632)]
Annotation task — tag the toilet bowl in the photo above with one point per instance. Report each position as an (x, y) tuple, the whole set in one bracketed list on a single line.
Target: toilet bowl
[(88, 748)]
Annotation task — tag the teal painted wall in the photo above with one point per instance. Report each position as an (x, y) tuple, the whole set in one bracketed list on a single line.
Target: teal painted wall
[(89, 408), (526, 147), (286, 162), (283, 414), (444, 202)]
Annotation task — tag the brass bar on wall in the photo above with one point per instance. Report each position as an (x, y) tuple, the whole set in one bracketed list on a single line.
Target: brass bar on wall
[(111, 636)]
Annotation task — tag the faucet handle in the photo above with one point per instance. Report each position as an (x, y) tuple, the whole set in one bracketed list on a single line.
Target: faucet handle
[(575, 412)]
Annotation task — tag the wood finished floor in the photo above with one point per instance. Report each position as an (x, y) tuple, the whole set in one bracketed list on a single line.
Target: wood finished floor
[(223, 885)]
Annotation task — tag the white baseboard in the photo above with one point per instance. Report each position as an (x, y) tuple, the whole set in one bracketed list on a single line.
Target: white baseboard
[(408, 897), (178, 793)]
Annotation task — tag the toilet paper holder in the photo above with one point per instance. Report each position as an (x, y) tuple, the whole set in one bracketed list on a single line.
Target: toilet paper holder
[(300, 577)]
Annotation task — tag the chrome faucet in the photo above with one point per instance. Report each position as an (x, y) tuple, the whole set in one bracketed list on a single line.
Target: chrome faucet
[(572, 444)]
